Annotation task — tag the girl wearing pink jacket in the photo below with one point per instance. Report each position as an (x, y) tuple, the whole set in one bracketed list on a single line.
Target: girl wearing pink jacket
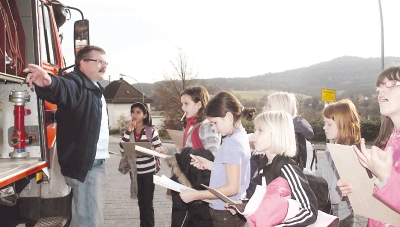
[(384, 157)]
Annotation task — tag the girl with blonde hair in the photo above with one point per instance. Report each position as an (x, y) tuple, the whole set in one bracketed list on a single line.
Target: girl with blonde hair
[(284, 101), (284, 197)]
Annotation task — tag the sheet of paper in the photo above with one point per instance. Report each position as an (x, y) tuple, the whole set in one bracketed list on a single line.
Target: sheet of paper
[(217, 193), (168, 183), (324, 219), (177, 137), (165, 182), (150, 152), (362, 200)]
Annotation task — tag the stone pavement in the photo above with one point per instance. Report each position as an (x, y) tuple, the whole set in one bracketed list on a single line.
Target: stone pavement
[(122, 211)]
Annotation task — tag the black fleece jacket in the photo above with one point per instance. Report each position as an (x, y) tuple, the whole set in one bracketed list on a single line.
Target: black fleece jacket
[(79, 111), (196, 213)]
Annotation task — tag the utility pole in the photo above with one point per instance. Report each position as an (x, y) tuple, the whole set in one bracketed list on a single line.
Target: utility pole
[(382, 39)]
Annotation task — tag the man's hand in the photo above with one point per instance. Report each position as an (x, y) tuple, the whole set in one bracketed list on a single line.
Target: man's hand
[(36, 75)]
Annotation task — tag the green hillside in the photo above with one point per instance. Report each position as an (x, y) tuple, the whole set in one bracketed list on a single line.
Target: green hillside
[(256, 95)]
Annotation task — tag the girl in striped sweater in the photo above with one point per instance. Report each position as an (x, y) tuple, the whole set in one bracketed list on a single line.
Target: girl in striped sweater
[(140, 129)]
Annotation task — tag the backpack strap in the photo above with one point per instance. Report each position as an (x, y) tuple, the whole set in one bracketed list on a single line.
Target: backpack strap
[(301, 153), (149, 132), (149, 135), (314, 158)]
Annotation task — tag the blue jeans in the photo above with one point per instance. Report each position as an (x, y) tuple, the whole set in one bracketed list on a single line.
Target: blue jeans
[(88, 198)]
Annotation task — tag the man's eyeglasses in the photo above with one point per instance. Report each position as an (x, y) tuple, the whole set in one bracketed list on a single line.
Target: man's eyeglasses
[(98, 61), (388, 84)]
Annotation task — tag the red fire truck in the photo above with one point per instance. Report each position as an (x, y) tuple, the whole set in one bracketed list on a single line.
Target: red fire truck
[(32, 189)]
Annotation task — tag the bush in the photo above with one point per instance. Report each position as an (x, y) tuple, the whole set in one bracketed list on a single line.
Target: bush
[(318, 127), (115, 131), (248, 126), (122, 121), (162, 133), (370, 129)]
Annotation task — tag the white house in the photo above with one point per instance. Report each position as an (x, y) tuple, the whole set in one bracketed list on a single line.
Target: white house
[(120, 95)]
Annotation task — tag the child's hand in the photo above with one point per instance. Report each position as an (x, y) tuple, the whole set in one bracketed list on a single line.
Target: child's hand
[(162, 150), (240, 207), (201, 163), (131, 126), (378, 161), (188, 195), (344, 187), (233, 208)]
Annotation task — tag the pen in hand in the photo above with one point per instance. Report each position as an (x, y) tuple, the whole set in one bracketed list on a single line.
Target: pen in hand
[(358, 145), (369, 173), (194, 158)]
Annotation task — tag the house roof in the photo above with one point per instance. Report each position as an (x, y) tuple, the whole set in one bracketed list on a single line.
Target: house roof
[(120, 91)]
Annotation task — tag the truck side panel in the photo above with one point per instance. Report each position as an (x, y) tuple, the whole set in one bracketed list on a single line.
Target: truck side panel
[(51, 197)]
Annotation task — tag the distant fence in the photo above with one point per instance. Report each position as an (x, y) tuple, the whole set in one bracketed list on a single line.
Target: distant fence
[(320, 147)]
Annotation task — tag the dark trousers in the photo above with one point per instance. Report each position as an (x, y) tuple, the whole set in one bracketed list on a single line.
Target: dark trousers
[(223, 218), (179, 210), (349, 221), (193, 214), (145, 199)]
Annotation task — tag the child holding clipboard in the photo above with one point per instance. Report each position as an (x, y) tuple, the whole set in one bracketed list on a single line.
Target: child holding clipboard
[(141, 168)]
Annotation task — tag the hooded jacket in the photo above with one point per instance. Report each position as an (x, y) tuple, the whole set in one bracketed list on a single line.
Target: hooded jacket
[(302, 126)]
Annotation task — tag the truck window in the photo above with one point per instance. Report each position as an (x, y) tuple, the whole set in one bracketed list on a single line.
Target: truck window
[(47, 41)]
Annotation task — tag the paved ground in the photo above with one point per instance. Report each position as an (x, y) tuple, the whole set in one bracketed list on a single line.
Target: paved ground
[(122, 211)]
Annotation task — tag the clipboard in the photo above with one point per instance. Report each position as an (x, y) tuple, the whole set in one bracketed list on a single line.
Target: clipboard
[(129, 148), (217, 193), (177, 137), (362, 199)]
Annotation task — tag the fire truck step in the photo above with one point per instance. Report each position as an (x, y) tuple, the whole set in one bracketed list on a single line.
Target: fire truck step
[(51, 222)]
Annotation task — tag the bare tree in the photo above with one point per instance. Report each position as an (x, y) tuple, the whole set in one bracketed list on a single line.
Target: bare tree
[(168, 92)]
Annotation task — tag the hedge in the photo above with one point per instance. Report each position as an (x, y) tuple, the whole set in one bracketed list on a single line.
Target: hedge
[(369, 129)]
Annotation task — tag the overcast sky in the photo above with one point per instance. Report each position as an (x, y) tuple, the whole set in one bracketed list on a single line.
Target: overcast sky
[(233, 38)]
